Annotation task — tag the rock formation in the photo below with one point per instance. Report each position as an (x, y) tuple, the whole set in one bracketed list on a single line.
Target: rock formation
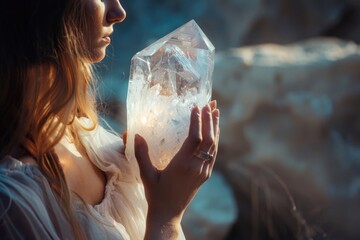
[(290, 137)]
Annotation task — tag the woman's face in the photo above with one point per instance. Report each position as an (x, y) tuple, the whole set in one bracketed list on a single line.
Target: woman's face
[(103, 15)]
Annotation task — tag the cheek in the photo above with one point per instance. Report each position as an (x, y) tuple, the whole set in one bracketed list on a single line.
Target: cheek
[(96, 13), (93, 30), (95, 17), (93, 34)]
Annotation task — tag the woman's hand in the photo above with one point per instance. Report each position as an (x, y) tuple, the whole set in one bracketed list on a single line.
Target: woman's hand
[(170, 191)]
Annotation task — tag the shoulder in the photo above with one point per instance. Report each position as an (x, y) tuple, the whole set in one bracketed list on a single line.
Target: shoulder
[(21, 181), (20, 178), (28, 207)]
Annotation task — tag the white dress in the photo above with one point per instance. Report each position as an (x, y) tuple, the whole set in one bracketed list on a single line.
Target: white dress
[(30, 210)]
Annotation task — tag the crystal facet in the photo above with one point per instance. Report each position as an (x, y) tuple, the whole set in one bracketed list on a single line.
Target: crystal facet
[(166, 80)]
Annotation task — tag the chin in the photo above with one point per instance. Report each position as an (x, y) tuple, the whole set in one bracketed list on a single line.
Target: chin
[(97, 56)]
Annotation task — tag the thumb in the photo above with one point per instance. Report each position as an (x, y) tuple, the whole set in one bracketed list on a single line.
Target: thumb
[(147, 170)]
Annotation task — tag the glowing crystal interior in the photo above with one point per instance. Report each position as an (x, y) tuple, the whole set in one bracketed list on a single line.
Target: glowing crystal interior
[(166, 80)]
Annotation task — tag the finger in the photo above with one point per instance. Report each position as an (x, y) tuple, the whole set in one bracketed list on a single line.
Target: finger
[(213, 105), (206, 171), (207, 129), (147, 170), (193, 139), (215, 119), (214, 149)]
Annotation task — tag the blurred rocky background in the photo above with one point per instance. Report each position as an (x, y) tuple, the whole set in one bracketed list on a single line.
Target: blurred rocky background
[(287, 81)]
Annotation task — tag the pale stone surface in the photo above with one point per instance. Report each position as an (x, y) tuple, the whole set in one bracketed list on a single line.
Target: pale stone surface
[(308, 76), (290, 136), (166, 80), (212, 212)]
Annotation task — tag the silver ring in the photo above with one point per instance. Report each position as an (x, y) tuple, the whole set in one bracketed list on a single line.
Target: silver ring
[(205, 156)]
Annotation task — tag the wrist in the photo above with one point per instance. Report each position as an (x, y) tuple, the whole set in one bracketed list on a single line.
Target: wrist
[(162, 231), (160, 216), (162, 226)]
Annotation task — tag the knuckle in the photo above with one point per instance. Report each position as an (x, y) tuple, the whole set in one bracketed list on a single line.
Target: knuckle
[(212, 139), (205, 176), (193, 171), (209, 141), (196, 172), (196, 139)]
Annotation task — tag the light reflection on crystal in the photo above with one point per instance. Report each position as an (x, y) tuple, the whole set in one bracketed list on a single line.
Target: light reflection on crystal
[(166, 80)]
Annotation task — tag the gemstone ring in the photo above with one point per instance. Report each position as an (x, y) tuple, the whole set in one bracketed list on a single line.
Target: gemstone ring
[(205, 156)]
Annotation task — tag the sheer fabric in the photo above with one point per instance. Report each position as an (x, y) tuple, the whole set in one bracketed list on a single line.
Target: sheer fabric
[(30, 210), (124, 203)]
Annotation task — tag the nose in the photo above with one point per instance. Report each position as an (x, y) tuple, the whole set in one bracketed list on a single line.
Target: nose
[(116, 13)]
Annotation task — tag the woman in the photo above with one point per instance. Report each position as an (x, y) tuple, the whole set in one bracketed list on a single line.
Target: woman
[(62, 176)]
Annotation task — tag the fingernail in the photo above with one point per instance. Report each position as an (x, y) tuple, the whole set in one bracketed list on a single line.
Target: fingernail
[(196, 109), (213, 104), (208, 108)]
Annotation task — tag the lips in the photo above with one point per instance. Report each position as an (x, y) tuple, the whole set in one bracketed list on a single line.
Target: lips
[(107, 39)]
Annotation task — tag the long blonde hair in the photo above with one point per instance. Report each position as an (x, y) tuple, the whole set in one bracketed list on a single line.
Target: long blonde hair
[(45, 80)]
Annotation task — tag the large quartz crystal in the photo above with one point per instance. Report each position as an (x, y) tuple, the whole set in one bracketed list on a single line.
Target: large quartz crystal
[(166, 80)]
